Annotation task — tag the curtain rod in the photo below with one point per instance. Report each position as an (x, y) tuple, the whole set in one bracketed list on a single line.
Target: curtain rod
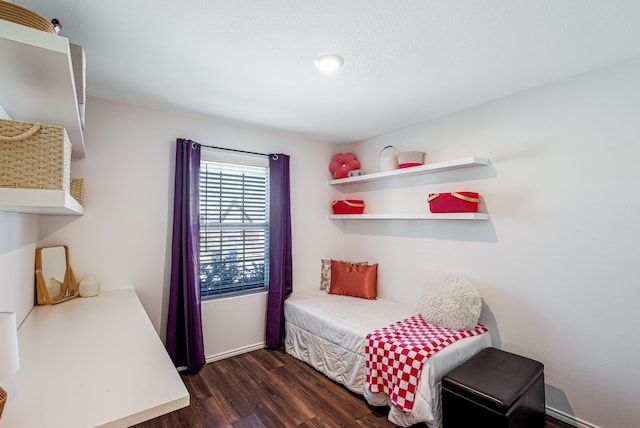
[(238, 151)]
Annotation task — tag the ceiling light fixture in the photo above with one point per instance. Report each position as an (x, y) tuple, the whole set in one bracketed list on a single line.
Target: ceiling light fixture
[(329, 63)]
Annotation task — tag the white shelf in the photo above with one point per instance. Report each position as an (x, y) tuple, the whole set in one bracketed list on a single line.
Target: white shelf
[(37, 83), (35, 201), (416, 170), (412, 216)]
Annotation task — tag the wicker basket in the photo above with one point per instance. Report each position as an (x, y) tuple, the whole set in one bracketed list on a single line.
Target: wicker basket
[(77, 190), (19, 15), (3, 397), (34, 156)]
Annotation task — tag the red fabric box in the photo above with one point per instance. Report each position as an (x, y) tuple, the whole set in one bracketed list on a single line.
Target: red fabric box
[(455, 202), (350, 206)]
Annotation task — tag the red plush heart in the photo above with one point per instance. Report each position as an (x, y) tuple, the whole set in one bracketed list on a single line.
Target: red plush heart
[(342, 163)]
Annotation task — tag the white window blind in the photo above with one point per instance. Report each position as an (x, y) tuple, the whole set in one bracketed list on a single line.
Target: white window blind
[(234, 223)]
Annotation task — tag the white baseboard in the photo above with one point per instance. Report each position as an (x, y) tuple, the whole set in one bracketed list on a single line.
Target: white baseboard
[(571, 420), (234, 352)]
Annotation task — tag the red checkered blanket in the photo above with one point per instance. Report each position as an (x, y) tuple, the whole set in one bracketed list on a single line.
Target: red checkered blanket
[(395, 356)]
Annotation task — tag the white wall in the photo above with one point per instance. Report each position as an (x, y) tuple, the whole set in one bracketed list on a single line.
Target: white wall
[(18, 237), (124, 237), (557, 263), (230, 334)]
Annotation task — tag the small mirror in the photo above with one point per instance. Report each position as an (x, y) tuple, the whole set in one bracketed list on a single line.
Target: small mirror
[(55, 281)]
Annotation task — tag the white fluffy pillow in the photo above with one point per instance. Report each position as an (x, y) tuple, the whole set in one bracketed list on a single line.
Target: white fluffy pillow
[(451, 302)]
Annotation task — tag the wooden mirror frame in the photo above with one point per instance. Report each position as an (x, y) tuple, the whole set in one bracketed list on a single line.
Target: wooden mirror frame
[(69, 289)]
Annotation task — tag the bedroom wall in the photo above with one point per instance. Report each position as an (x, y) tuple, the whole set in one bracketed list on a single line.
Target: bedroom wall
[(19, 234), (124, 237), (556, 263)]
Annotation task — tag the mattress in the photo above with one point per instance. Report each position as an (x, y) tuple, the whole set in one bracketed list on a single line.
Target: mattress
[(328, 332)]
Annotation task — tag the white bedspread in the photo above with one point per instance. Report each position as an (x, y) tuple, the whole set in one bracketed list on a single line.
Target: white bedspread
[(328, 332)]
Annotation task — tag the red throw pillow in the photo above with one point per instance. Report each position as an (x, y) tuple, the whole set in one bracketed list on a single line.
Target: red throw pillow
[(342, 163), (348, 279)]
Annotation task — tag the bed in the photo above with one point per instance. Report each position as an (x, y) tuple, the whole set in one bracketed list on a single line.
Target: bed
[(328, 332)]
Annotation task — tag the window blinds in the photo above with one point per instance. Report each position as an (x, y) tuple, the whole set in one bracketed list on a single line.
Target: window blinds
[(234, 224)]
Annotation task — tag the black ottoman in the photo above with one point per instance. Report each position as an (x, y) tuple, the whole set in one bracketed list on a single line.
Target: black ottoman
[(495, 389)]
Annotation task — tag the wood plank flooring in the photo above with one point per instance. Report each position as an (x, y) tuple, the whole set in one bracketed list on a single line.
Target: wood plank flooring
[(268, 388)]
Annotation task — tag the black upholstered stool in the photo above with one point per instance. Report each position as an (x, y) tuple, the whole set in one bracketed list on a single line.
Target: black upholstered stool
[(494, 389)]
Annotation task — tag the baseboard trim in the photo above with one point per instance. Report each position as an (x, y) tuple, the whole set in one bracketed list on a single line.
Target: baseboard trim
[(569, 419), (234, 352)]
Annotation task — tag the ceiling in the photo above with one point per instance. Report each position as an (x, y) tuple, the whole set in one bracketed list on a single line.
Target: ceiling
[(405, 61)]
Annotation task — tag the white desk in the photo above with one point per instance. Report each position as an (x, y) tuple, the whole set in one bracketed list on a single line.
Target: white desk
[(91, 362)]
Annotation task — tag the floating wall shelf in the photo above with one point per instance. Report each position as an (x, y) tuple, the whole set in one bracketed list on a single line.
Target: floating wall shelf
[(416, 216), (416, 170), (36, 201)]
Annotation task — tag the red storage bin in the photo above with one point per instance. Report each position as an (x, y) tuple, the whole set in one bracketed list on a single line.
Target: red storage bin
[(349, 206), (455, 202)]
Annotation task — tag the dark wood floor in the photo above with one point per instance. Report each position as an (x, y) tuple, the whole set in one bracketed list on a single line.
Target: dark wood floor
[(267, 388)]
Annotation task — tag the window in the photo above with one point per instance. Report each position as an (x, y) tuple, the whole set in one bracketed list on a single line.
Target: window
[(234, 223)]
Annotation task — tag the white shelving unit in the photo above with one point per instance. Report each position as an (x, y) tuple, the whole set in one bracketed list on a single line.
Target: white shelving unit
[(406, 172), (37, 85)]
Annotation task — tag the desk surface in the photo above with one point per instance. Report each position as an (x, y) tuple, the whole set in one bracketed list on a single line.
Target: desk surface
[(91, 362)]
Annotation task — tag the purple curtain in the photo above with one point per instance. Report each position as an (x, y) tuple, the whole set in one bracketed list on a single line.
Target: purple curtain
[(280, 259), (184, 322)]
